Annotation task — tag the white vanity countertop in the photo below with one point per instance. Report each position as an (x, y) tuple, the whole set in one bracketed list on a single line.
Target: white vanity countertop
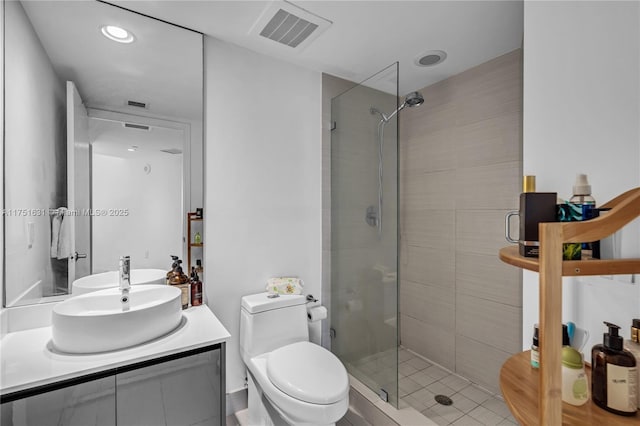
[(26, 360)]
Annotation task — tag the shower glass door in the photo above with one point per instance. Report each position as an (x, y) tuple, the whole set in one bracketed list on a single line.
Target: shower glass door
[(364, 232)]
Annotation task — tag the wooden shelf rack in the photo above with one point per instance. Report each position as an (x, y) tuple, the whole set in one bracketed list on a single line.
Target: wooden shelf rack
[(192, 217), (535, 397)]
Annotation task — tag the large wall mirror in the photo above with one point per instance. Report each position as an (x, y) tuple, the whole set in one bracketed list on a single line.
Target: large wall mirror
[(103, 143)]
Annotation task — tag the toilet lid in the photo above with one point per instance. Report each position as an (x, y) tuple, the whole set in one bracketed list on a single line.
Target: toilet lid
[(308, 372)]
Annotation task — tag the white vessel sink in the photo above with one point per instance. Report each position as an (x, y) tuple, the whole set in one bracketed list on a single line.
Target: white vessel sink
[(110, 279), (96, 322)]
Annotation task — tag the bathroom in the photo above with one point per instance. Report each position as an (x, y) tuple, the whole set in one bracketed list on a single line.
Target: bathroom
[(266, 185)]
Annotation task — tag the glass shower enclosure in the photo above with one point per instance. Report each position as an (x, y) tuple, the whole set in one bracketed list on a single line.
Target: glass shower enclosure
[(364, 232)]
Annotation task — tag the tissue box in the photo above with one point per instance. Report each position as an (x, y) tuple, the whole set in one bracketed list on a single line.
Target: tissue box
[(284, 285)]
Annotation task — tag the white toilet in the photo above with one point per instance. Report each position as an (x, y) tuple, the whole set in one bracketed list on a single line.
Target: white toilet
[(291, 380)]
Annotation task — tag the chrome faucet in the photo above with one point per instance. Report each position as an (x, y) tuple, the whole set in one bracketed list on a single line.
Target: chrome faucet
[(124, 280)]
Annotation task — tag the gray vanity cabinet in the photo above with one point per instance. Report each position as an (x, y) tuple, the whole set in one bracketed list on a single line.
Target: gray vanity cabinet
[(187, 388)]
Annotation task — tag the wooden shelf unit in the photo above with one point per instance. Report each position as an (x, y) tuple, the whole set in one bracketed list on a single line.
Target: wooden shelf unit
[(545, 399), (523, 383), (192, 217)]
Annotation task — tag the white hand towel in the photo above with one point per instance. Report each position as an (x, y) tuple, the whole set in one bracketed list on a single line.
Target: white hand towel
[(64, 236), (56, 221)]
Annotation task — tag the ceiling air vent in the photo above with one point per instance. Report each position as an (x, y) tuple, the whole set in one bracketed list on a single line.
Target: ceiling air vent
[(288, 29), (137, 104), (289, 25), (137, 126)]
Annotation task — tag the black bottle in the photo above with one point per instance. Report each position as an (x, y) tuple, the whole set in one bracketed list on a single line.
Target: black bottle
[(613, 375)]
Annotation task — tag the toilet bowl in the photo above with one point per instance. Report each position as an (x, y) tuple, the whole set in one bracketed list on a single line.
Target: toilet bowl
[(291, 380)]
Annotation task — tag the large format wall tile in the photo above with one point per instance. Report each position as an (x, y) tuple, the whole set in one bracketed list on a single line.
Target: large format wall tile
[(426, 265), (430, 304), (429, 228), (479, 362), (461, 166), (486, 277), (488, 187), (488, 321), (480, 231), (433, 342)]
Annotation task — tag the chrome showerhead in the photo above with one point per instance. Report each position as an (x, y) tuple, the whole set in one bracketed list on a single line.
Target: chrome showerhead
[(413, 99)]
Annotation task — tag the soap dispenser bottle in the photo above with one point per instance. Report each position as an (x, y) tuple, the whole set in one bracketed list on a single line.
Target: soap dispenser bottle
[(196, 288), (180, 280), (614, 375), (172, 271)]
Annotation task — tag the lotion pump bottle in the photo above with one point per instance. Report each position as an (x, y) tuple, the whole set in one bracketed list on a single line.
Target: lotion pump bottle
[(614, 375), (575, 390)]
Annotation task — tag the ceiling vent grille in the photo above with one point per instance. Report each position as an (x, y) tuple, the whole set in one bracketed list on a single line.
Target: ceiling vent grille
[(137, 104), (289, 25), (137, 126), (287, 28)]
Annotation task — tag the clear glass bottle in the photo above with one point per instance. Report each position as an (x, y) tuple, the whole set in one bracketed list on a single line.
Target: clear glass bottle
[(582, 191)]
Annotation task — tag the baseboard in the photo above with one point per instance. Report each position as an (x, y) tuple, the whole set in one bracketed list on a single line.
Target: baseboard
[(237, 401)]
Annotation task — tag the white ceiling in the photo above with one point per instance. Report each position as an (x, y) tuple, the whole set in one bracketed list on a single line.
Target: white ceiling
[(366, 36), (163, 67)]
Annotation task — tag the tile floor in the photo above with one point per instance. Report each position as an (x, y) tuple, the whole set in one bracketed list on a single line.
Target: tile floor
[(420, 381)]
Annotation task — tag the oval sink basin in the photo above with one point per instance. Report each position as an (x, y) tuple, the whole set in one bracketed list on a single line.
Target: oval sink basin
[(96, 322), (110, 279)]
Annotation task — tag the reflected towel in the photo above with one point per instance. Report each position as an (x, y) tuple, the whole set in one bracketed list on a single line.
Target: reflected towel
[(56, 221), (284, 285), (61, 235)]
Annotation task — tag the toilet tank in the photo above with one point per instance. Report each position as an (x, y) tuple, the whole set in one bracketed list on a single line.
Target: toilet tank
[(270, 323)]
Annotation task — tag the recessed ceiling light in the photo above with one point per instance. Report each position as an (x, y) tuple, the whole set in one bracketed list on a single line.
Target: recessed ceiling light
[(118, 34), (430, 58)]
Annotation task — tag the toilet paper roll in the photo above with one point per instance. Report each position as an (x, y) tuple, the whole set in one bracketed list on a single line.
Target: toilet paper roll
[(316, 313)]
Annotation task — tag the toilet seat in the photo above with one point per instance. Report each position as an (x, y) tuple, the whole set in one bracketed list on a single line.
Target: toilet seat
[(295, 411), (308, 372)]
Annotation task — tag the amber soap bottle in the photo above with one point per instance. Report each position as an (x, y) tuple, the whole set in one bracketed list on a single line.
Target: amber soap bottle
[(614, 375), (196, 288)]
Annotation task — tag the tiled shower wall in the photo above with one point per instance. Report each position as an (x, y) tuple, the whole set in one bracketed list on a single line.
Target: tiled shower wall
[(460, 172)]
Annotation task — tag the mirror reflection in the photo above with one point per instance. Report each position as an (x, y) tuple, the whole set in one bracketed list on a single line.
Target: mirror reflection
[(103, 143)]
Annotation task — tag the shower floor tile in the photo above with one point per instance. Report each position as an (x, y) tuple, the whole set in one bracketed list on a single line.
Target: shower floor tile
[(471, 405)]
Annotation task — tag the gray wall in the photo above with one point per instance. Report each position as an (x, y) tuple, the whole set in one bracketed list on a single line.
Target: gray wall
[(460, 172), (35, 157)]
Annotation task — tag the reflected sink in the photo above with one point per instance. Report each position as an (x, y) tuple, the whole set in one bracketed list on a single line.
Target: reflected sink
[(110, 279), (95, 322)]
